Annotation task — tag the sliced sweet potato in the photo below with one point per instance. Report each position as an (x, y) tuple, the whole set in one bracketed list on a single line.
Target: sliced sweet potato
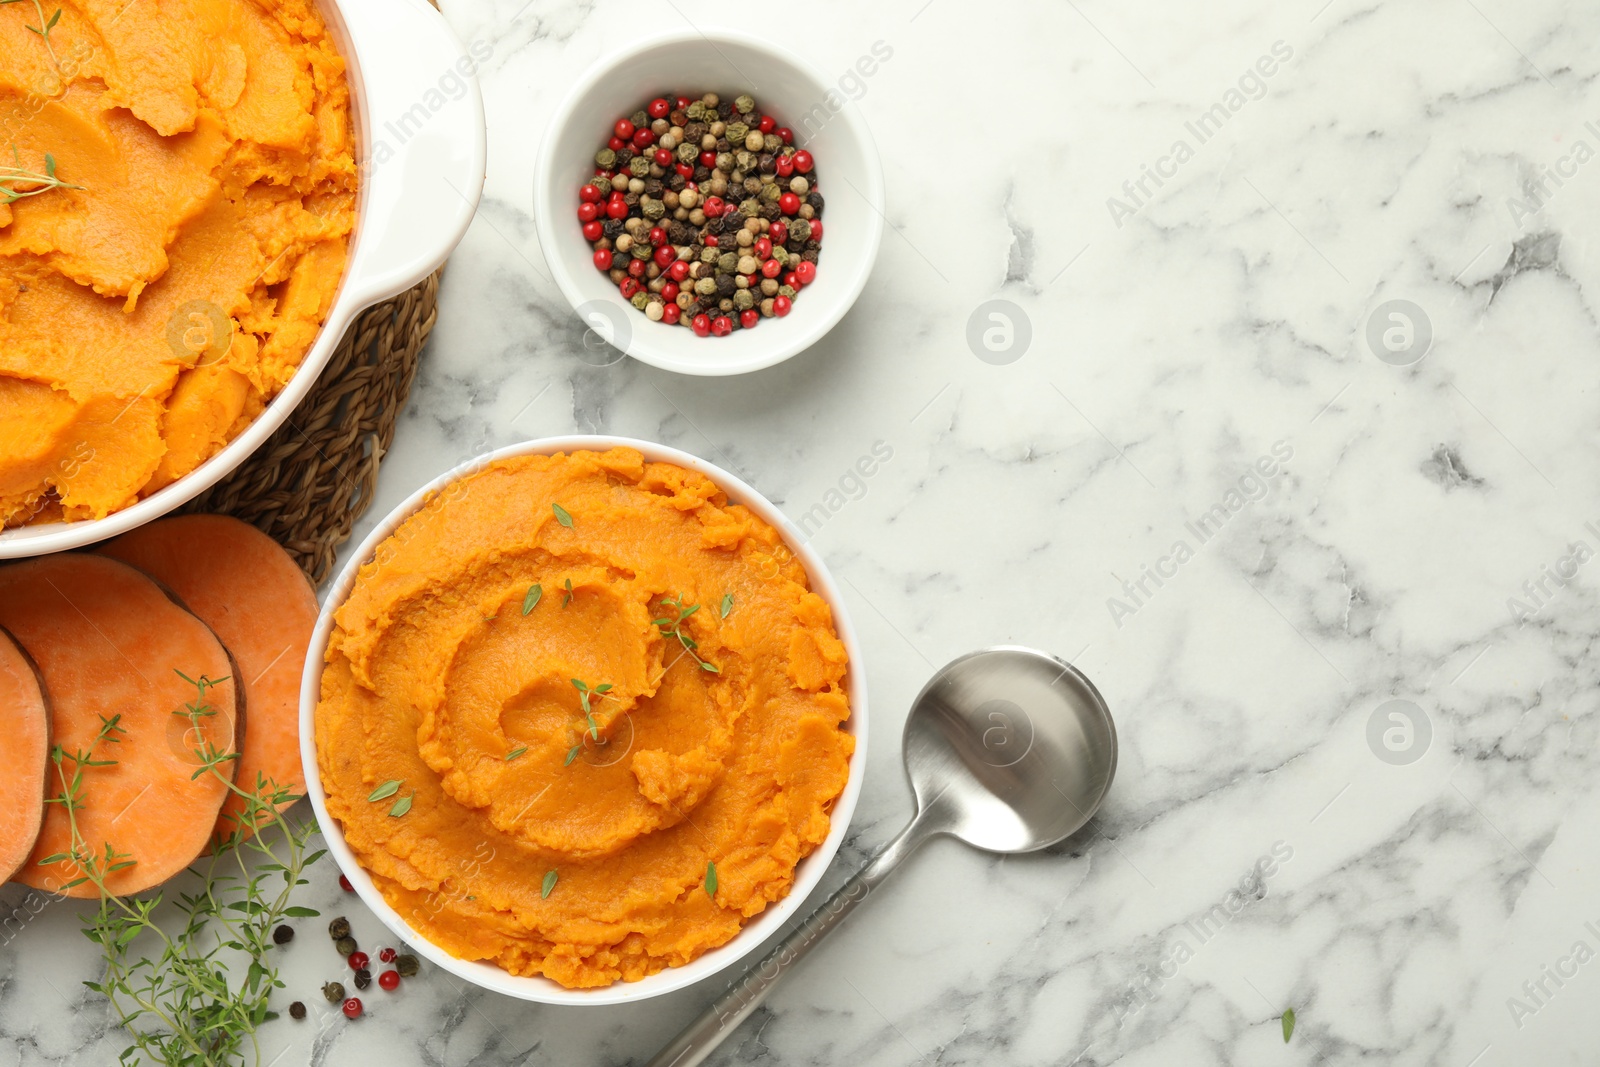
[(109, 642), (260, 603), (25, 724)]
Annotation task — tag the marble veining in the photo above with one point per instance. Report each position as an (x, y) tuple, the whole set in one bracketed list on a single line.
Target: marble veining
[(1418, 889)]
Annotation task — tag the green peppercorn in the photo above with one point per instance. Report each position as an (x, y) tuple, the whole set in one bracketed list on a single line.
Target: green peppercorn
[(706, 286), (334, 992), (736, 133), (639, 166), (605, 158), (640, 300), (345, 945), (744, 300), (696, 112), (781, 254), (727, 263), (770, 193), (602, 184), (744, 104), (786, 290), (407, 965), (653, 209), (640, 118), (708, 255), (339, 928), (641, 250), (799, 230), (688, 153)]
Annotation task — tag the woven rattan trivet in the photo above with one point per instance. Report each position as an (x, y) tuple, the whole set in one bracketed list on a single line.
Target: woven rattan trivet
[(314, 477)]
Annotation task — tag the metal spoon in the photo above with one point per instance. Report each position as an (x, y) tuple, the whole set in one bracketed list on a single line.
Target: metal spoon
[(1009, 749)]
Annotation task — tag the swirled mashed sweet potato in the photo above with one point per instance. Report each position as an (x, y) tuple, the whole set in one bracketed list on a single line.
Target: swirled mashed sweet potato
[(447, 673), (147, 316)]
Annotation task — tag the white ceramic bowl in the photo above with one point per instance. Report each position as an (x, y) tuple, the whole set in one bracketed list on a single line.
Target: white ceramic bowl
[(699, 60), (538, 988), (421, 148)]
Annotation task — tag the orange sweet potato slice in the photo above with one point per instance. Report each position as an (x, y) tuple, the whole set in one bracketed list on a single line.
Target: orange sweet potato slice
[(109, 644), (25, 724), (259, 602)]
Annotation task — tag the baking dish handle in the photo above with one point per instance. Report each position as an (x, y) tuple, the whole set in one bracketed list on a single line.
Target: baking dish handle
[(425, 145)]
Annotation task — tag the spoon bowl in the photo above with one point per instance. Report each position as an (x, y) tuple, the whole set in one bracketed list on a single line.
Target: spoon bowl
[(1009, 749)]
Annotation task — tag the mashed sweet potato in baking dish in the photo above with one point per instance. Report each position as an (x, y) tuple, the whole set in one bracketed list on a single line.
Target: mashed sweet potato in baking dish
[(155, 300), (505, 822)]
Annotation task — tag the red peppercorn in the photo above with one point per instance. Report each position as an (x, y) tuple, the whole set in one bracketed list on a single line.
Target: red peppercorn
[(749, 317), (659, 108), (678, 271), (669, 292), (771, 268), (784, 165), (602, 259), (781, 305), (671, 314), (629, 287), (665, 255), (721, 326), (763, 247), (701, 324), (708, 158), (623, 129), (767, 124), (352, 1008), (588, 212), (806, 272), (778, 232), (788, 203), (711, 240), (387, 955), (617, 207), (792, 280), (589, 194), (389, 981), (816, 229), (686, 170), (786, 134), (593, 231), (658, 236), (752, 280), (643, 138), (636, 268), (683, 103), (803, 162), (358, 961), (615, 144), (663, 158), (344, 883), (601, 172)]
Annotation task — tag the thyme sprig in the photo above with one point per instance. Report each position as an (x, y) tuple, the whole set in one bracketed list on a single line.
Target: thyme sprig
[(17, 181), (43, 29), (183, 1003), (673, 627)]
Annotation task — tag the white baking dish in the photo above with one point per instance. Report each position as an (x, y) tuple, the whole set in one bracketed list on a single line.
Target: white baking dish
[(421, 147)]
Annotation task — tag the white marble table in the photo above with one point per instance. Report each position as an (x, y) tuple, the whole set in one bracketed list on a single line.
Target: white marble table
[(1430, 876)]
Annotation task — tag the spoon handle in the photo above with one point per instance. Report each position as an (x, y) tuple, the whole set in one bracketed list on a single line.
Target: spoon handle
[(701, 1037)]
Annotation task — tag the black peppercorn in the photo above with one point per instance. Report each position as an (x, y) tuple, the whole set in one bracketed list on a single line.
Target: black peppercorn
[(769, 211), (653, 188), (282, 935), (702, 173), (363, 978), (767, 163), (297, 1010), (611, 228), (725, 285), (810, 255), (339, 928), (733, 222), (724, 145), (815, 200), (714, 227), (624, 154)]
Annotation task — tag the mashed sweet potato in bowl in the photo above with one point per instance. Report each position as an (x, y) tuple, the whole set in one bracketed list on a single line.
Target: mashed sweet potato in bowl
[(582, 721), (197, 198)]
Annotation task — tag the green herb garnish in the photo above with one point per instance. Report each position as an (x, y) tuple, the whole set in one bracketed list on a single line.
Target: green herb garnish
[(584, 695), (401, 806), (385, 791), (727, 604), (572, 753), (1288, 1024), (711, 880), (549, 884), (43, 29), (172, 969), (514, 753), (674, 628), (561, 515), (567, 596), (535, 591)]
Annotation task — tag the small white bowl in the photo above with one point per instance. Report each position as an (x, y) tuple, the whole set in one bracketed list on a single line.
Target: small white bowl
[(696, 61), (757, 930)]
